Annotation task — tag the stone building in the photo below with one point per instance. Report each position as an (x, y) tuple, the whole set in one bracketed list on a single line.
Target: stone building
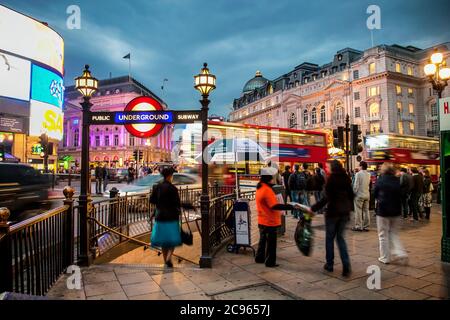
[(111, 144), (383, 89)]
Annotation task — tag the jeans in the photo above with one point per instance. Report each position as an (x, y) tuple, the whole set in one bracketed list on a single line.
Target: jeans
[(335, 228), (405, 205), (287, 194), (390, 244), (362, 217), (105, 184), (295, 198), (98, 185), (267, 247)]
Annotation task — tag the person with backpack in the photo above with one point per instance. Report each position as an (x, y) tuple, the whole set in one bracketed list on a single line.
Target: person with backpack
[(297, 185)]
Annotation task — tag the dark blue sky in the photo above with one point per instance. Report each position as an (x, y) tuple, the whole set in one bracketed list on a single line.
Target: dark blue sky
[(172, 38)]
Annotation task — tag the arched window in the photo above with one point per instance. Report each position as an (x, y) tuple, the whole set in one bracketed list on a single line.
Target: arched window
[(292, 120), (339, 112), (374, 109), (314, 116), (323, 116), (305, 118)]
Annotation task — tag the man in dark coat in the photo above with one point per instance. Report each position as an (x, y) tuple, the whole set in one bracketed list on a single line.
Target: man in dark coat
[(416, 192)]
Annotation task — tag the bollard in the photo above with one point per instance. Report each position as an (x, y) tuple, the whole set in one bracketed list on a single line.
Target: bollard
[(216, 188), (69, 231), (113, 207)]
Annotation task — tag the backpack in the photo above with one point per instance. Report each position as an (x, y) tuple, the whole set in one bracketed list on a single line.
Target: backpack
[(297, 181)]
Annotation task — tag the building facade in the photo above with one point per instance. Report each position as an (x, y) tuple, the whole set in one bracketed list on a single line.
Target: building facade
[(383, 89), (111, 144)]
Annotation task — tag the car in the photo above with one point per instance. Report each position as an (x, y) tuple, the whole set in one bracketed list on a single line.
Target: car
[(146, 183), (21, 186), (121, 175)]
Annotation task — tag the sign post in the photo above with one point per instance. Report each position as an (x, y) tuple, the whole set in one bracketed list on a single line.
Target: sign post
[(444, 123)]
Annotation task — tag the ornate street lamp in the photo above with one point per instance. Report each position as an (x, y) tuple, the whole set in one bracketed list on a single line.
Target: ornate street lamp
[(439, 74), (87, 85), (205, 82)]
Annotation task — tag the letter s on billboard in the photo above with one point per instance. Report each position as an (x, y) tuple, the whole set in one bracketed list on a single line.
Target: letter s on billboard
[(45, 118)]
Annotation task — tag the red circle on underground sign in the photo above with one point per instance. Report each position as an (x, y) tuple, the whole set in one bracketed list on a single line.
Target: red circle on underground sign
[(144, 130)]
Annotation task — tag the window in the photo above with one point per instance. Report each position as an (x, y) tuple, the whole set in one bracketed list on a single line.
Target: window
[(292, 120), (339, 57), (323, 73), (399, 107), (323, 115), (268, 103), (339, 112), (375, 127), (314, 116), (131, 141), (357, 95), (372, 68), (106, 140), (398, 68), (410, 71), (400, 127), (411, 128), (373, 91), (305, 118), (116, 140), (374, 109), (297, 83), (356, 74), (411, 108), (398, 90), (357, 112), (306, 80), (97, 141), (295, 75), (434, 110), (76, 137), (410, 92)]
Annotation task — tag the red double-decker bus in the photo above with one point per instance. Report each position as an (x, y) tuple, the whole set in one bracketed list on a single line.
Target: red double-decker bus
[(404, 151)]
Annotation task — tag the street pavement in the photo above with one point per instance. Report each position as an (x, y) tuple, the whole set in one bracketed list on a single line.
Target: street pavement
[(237, 276)]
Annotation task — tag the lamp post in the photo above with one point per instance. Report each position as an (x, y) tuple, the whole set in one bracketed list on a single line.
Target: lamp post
[(205, 82), (86, 85), (438, 75)]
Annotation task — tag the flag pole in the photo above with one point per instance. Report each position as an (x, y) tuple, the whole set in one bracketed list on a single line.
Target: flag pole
[(129, 68)]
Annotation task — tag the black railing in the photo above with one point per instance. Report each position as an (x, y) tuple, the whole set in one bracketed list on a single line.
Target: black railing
[(35, 252)]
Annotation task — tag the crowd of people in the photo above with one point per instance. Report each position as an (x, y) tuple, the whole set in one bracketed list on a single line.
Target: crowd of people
[(339, 194)]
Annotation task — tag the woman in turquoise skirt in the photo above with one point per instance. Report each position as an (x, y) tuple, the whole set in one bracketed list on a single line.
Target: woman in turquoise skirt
[(166, 230)]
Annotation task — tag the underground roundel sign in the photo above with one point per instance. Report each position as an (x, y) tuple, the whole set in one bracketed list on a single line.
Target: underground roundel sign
[(144, 130)]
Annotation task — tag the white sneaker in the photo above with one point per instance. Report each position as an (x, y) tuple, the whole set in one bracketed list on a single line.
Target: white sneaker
[(383, 261)]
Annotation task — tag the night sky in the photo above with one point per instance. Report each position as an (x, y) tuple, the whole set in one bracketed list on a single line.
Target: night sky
[(172, 38)]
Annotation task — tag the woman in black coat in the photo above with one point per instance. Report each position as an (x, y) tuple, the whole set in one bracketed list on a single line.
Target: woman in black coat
[(389, 207), (339, 200)]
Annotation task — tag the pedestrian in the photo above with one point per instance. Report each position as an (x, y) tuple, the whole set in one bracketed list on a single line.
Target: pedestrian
[(166, 230), (388, 195), (130, 174), (406, 185), (269, 218), (105, 173), (338, 199), (98, 179), (416, 193), (276, 176), (318, 183), (286, 174), (361, 188), (297, 185), (427, 195), (322, 171)]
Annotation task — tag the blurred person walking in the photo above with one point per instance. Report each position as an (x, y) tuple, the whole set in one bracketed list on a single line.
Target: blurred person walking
[(427, 196), (338, 199), (388, 195), (166, 230), (361, 189)]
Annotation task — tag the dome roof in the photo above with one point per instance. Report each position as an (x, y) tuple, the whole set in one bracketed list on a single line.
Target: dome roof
[(257, 82)]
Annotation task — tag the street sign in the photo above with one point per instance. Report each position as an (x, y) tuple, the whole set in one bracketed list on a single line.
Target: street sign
[(144, 117), (444, 114)]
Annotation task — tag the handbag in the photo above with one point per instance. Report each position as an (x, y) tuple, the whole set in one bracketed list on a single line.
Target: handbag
[(186, 236), (303, 235)]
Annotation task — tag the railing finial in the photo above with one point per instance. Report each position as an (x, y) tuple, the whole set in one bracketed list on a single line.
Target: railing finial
[(68, 192)]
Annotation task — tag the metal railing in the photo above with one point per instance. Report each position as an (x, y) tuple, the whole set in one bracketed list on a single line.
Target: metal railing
[(35, 252)]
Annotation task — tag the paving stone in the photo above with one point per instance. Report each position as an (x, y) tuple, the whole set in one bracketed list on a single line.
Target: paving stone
[(151, 296), (406, 282), (265, 293), (96, 277), (412, 272), (169, 278), (319, 294), (437, 291), (111, 296), (137, 289), (216, 287), (362, 294), (401, 293), (192, 296), (179, 288), (242, 278), (276, 276), (130, 278), (102, 288), (336, 285), (437, 278)]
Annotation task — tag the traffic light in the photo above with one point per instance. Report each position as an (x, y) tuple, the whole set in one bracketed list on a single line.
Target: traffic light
[(140, 155), (43, 141), (356, 140), (338, 137), (2, 153), (135, 155)]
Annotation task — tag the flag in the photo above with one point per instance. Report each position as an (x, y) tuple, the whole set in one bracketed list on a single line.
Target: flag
[(128, 56)]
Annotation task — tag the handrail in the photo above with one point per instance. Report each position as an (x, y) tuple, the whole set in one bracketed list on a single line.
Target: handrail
[(36, 219)]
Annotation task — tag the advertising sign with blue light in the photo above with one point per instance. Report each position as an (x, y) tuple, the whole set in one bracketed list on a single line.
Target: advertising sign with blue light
[(47, 86)]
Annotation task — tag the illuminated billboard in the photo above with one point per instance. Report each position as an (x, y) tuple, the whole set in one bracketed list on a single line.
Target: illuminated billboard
[(29, 38), (47, 86), (14, 71), (46, 118)]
